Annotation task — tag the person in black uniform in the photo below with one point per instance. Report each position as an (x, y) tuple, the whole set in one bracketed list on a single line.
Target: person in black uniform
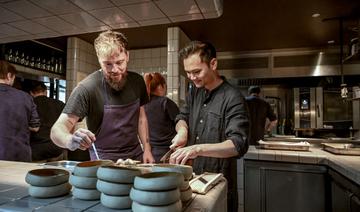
[(259, 111), (18, 116), (161, 112), (213, 124), (43, 149)]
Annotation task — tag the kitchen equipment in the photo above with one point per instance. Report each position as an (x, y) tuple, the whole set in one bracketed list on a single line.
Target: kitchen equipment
[(65, 164), (284, 145), (204, 182), (342, 148)]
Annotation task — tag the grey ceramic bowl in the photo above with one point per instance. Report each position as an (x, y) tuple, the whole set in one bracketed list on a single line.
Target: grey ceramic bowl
[(175, 207), (117, 174), (86, 194), (155, 197), (186, 195), (47, 177), (89, 168), (83, 182), (158, 181), (185, 185), (50, 191), (115, 202), (186, 170), (116, 189)]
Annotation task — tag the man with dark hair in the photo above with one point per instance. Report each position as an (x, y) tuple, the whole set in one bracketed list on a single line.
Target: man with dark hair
[(49, 109), (259, 110), (18, 116), (213, 125)]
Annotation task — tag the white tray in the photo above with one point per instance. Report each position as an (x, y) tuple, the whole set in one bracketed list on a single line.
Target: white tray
[(283, 145)]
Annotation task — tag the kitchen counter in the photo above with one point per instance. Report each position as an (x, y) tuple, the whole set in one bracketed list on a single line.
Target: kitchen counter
[(14, 195), (349, 166)]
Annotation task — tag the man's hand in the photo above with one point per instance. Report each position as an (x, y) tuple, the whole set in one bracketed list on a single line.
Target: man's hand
[(179, 140), (148, 157), (181, 155), (81, 139)]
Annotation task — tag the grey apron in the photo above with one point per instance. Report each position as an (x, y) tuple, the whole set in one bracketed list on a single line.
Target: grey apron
[(117, 137)]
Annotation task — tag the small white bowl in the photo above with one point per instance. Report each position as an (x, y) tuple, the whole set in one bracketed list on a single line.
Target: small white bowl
[(115, 202), (158, 181), (175, 207), (117, 174), (86, 194), (47, 177), (186, 170), (83, 182), (116, 189), (49, 191), (89, 168), (155, 197)]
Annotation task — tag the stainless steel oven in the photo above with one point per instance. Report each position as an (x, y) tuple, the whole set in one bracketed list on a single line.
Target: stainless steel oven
[(321, 108)]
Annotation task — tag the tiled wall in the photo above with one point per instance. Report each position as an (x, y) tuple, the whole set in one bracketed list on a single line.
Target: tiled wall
[(80, 62), (148, 60), (176, 75)]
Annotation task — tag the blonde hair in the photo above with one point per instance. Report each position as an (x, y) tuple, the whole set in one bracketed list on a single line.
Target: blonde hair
[(110, 41)]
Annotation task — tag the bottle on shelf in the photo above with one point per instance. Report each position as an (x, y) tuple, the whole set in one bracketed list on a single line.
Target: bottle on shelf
[(43, 64), (38, 63), (27, 60), (32, 62), (22, 59), (16, 58)]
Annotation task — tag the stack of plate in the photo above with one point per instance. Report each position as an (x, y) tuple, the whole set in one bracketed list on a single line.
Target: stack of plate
[(157, 192), (47, 183), (187, 171), (84, 179), (115, 183)]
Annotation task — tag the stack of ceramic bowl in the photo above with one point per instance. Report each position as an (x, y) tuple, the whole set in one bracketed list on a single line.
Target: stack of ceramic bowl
[(47, 183), (114, 183), (187, 171), (157, 192), (84, 179)]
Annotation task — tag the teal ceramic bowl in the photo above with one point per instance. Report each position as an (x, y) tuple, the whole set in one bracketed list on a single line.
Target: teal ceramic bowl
[(155, 197), (175, 207), (89, 168), (158, 181), (47, 177), (117, 174), (49, 191)]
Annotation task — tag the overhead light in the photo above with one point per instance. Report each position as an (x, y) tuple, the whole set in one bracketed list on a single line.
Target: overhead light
[(315, 15), (331, 42)]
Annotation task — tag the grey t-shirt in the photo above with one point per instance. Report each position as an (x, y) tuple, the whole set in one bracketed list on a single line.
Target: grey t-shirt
[(88, 100)]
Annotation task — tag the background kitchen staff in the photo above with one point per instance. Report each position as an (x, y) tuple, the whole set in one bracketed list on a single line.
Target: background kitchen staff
[(49, 110), (18, 116), (112, 100), (161, 112), (214, 122), (259, 110)]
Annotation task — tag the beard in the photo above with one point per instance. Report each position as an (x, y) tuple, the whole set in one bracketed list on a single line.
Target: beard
[(116, 85)]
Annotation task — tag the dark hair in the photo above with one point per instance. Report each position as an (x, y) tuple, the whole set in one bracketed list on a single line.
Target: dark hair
[(5, 68), (254, 89), (38, 86), (205, 49), (152, 80)]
